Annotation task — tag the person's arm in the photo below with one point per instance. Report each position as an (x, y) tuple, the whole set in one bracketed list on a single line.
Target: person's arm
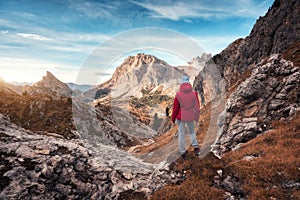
[(176, 108), (197, 108)]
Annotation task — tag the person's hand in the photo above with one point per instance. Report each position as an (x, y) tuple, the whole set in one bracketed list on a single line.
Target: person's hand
[(196, 125)]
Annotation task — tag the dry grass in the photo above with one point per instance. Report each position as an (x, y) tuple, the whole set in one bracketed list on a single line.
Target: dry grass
[(275, 163), (198, 184), (39, 113), (293, 53)]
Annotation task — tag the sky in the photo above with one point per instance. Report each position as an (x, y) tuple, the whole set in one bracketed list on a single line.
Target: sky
[(61, 36)]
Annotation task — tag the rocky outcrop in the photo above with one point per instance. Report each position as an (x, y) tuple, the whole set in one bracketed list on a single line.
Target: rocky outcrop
[(230, 184), (270, 93), (41, 167), (50, 86)]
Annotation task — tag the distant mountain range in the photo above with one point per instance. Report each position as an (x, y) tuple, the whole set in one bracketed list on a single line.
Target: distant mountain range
[(25, 86), (134, 74), (20, 84), (82, 88)]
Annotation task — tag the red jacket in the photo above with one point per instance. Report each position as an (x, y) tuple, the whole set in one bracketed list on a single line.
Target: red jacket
[(186, 104)]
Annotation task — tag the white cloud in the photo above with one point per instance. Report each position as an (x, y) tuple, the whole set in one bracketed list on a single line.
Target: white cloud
[(33, 36), (26, 55), (180, 10), (70, 47), (92, 9)]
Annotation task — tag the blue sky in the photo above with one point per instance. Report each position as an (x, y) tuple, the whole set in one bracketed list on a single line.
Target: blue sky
[(59, 36)]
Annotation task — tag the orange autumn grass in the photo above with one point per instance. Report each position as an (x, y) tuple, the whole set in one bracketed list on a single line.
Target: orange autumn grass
[(271, 171)]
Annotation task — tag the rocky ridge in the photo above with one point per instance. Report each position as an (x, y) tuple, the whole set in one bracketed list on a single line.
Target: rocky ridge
[(44, 167), (49, 85), (4, 88), (273, 33)]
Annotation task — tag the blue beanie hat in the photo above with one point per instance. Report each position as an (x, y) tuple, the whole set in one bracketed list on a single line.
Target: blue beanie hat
[(185, 79)]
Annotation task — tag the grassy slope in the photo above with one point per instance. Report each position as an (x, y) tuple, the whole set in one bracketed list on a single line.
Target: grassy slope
[(39, 113), (275, 162)]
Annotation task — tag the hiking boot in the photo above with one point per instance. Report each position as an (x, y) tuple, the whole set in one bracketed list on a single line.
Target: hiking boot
[(183, 156), (197, 151)]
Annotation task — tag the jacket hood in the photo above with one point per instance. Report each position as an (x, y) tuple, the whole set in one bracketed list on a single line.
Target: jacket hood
[(186, 87)]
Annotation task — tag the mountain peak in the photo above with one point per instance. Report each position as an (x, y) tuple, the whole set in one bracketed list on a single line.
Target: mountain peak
[(50, 75), (1, 80), (49, 78), (200, 60), (146, 58), (140, 59), (4, 87), (138, 72), (49, 85), (141, 64)]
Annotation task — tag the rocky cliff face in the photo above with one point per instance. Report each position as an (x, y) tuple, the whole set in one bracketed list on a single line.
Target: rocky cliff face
[(276, 32), (256, 76), (49, 85), (270, 93)]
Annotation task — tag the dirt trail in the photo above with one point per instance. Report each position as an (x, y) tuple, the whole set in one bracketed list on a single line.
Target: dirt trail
[(165, 147)]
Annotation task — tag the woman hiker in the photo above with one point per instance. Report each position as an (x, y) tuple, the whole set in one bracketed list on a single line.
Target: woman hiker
[(186, 111)]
